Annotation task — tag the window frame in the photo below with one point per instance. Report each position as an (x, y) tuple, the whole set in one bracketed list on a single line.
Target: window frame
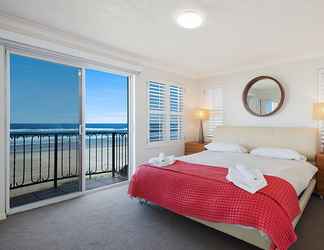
[(68, 60), (167, 112)]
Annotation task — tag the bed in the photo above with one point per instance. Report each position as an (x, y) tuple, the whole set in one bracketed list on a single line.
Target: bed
[(299, 174)]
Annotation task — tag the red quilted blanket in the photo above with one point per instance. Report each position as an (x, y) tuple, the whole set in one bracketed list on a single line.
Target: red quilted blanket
[(203, 192)]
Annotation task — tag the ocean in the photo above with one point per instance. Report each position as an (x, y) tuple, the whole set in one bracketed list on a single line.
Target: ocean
[(42, 127), (18, 129)]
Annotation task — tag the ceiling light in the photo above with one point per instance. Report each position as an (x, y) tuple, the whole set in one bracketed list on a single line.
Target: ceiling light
[(189, 19)]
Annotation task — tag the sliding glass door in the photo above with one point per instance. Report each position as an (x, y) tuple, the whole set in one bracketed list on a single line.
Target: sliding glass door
[(45, 141), (50, 155)]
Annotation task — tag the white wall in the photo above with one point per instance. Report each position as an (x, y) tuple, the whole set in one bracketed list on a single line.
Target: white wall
[(300, 80)]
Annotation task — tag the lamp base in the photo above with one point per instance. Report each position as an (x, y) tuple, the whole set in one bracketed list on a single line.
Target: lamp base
[(201, 133)]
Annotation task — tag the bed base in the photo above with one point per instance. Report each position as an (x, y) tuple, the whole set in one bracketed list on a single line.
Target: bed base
[(252, 235)]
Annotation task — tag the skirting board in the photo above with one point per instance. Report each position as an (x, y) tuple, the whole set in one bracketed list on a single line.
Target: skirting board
[(3, 216)]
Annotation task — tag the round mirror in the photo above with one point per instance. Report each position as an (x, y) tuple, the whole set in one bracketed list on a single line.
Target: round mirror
[(263, 96)]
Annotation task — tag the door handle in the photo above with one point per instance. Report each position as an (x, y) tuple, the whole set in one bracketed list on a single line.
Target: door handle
[(81, 130)]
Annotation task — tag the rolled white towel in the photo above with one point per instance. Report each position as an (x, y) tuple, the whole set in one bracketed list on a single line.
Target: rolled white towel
[(251, 174), (166, 161), (251, 180)]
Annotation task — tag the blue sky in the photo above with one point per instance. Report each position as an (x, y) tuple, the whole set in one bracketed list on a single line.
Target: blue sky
[(106, 100), (45, 92)]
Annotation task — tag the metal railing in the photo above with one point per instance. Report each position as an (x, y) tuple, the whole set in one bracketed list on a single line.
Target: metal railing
[(40, 157)]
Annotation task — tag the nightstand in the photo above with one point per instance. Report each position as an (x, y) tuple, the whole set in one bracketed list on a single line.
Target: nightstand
[(319, 161), (194, 147)]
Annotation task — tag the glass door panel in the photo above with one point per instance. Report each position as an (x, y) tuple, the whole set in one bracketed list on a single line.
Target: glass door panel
[(45, 116), (106, 146)]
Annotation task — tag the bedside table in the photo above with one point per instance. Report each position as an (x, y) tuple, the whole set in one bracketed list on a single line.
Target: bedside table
[(194, 147), (319, 162)]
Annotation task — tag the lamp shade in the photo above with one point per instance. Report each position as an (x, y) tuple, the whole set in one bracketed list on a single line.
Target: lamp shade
[(318, 111), (202, 114)]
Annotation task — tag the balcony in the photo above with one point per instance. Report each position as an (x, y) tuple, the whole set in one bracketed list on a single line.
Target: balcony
[(47, 164)]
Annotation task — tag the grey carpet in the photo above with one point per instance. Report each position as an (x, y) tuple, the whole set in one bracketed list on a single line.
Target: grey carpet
[(110, 220)]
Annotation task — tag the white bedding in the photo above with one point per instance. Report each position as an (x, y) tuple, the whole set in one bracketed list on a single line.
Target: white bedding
[(297, 173)]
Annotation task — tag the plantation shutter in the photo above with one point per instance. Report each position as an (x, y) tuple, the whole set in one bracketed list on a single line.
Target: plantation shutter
[(176, 113), (216, 110), (321, 99), (157, 111)]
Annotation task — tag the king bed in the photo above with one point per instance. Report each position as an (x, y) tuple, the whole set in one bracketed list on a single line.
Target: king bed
[(299, 174)]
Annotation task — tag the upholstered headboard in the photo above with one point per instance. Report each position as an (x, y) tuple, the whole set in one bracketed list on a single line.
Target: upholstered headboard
[(303, 140)]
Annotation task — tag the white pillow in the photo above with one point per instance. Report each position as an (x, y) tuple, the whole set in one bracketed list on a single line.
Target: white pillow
[(278, 153), (226, 147)]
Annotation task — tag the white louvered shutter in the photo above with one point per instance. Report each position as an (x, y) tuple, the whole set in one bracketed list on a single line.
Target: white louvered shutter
[(321, 99), (216, 107), (176, 113), (157, 111)]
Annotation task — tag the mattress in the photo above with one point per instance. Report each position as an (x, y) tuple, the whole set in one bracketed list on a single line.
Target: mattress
[(297, 173)]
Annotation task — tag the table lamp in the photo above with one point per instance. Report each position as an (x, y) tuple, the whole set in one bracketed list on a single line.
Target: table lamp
[(318, 115), (202, 115)]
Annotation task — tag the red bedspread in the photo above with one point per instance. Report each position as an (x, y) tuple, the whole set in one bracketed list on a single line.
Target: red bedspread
[(203, 192)]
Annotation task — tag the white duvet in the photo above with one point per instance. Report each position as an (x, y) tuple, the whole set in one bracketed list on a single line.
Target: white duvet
[(297, 173)]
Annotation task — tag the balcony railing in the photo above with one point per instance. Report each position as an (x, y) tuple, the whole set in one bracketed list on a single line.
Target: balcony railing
[(42, 157)]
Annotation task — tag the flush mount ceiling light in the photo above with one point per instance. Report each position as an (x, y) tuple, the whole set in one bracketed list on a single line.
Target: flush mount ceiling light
[(189, 19)]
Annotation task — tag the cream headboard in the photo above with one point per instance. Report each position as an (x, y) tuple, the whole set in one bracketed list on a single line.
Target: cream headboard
[(303, 140)]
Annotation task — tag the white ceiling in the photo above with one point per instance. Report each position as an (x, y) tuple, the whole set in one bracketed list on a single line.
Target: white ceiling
[(236, 34)]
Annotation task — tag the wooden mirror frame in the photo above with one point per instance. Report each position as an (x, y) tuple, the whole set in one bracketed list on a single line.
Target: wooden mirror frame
[(251, 83)]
